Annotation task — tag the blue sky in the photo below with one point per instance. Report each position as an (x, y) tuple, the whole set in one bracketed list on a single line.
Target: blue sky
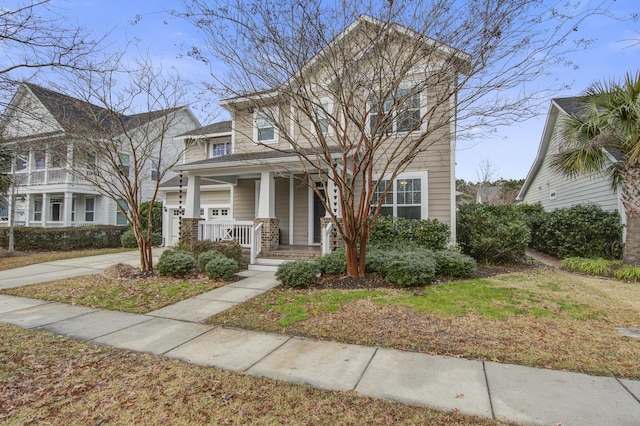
[(151, 31)]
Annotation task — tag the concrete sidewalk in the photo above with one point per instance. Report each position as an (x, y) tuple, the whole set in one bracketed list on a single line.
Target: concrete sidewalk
[(68, 268), (501, 391)]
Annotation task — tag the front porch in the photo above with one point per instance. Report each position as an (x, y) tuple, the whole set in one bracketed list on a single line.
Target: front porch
[(254, 236)]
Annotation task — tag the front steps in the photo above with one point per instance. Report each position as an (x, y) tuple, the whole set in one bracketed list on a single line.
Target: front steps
[(271, 260)]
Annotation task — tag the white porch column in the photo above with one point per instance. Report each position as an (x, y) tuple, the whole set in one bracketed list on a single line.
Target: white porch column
[(45, 209), (267, 197), (66, 208), (69, 165), (28, 211), (192, 208)]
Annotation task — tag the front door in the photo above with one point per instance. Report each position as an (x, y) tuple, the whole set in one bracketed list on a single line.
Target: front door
[(318, 213)]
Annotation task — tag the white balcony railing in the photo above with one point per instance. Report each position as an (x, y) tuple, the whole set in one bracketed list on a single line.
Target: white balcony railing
[(256, 244), (326, 239)]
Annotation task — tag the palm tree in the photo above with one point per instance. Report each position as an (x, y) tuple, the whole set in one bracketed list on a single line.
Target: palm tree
[(608, 127)]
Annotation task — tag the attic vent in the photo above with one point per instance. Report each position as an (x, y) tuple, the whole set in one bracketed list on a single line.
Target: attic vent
[(552, 195)]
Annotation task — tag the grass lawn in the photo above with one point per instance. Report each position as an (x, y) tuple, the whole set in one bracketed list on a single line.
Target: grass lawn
[(137, 296), (540, 318), (54, 380), (26, 259)]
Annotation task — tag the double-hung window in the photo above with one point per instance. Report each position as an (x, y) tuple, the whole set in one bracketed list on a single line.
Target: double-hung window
[(220, 149), (265, 130), (89, 209), (125, 161), (399, 112), (155, 169), (406, 196), (324, 110)]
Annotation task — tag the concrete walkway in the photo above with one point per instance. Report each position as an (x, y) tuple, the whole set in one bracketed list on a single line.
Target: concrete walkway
[(502, 391)]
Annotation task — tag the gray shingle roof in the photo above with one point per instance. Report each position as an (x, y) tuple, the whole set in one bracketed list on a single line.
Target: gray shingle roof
[(211, 129), (76, 115), (256, 156)]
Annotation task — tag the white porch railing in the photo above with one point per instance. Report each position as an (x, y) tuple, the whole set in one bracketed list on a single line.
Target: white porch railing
[(256, 246), (226, 230), (326, 239)]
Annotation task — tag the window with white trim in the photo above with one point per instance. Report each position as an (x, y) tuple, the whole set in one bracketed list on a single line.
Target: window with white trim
[(323, 111), (37, 210), (405, 197), (218, 213), (155, 169), (400, 112), (89, 209), (125, 161), (264, 128), (220, 149)]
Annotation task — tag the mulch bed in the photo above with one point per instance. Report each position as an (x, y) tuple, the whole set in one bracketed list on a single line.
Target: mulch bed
[(371, 281)]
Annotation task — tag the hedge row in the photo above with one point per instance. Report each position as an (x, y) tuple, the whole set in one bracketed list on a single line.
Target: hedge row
[(62, 239), (430, 234)]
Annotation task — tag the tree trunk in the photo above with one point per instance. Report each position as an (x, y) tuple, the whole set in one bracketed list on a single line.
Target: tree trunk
[(632, 243), (353, 263)]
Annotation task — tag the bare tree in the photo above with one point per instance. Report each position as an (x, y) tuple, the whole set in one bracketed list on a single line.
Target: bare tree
[(485, 173), (33, 38), (123, 126), (292, 56)]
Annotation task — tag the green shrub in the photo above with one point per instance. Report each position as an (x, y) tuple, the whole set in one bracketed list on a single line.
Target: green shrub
[(411, 268), (584, 230), (156, 216), (128, 239), (628, 273), (175, 263), (392, 232), (492, 233), (207, 257), (63, 239), (454, 264), (589, 266), (298, 274), (230, 248), (220, 267), (377, 260), (334, 263), (431, 234)]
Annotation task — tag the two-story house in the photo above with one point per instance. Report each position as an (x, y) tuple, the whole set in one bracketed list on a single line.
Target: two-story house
[(252, 178), (44, 129)]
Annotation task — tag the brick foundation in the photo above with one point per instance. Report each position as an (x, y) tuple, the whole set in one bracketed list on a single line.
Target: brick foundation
[(335, 241), (270, 233), (189, 229)]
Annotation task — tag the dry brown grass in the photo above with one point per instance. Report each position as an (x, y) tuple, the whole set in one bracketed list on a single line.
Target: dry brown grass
[(46, 379), (542, 318), (137, 295), (31, 258)]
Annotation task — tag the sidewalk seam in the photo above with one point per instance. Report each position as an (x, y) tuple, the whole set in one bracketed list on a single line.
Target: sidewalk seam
[(627, 389), (366, 367), (120, 329), (486, 381), (266, 355)]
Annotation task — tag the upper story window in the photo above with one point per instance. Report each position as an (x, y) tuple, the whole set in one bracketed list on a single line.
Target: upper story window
[(220, 149), (323, 111), (21, 163), (155, 169), (264, 130), (400, 112), (39, 159), (125, 161)]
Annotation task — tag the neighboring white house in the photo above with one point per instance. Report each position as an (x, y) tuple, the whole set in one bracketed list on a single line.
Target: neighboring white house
[(554, 190), (39, 125), (240, 179)]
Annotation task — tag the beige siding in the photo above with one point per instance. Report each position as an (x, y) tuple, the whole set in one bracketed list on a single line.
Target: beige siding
[(282, 208), (215, 197), (194, 152), (300, 213), (244, 195)]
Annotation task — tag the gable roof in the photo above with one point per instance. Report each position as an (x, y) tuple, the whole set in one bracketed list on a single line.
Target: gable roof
[(360, 22), (213, 129), (78, 116), (570, 106)]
